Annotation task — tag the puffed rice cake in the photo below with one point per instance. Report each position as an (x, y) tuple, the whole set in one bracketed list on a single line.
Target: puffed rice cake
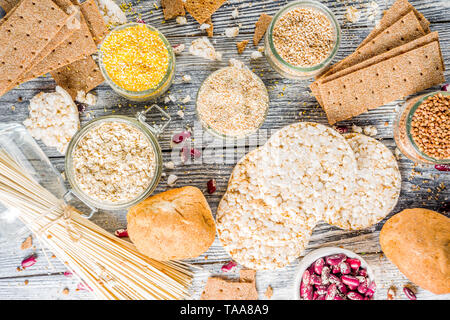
[(378, 185), (278, 192)]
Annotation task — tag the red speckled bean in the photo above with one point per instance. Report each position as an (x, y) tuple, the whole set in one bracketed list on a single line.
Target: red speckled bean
[(318, 266), (325, 275), (331, 292), (306, 291), (335, 269), (306, 278), (322, 289), (350, 281), (335, 259), (335, 279), (342, 288), (344, 267), (315, 279), (354, 263), (362, 272), (409, 293), (354, 296)]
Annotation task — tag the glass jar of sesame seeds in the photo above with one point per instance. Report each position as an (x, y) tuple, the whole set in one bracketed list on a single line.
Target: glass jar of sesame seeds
[(302, 39), (137, 61), (422, 128)]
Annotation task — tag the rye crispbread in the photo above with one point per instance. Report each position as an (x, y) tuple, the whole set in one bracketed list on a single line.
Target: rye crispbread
[(406, 29), (24, 35), (82, 75), (94, 20), (222, 289), (172, 9), (201, 10), (382, 82), (241, 46), (78, 46), (260, 27), (398, 9)]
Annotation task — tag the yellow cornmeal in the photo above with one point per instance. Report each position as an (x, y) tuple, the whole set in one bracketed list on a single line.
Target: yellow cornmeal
[(135, 58)]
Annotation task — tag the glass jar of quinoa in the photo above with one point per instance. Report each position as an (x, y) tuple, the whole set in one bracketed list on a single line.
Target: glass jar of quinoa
[(137, 61), (422, 128), (302, 39)]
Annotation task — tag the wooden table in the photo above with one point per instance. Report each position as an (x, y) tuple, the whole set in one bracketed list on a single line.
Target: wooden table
[(291, 101)]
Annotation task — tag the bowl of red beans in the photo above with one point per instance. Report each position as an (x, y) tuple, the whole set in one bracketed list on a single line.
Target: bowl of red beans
[(333, 273)]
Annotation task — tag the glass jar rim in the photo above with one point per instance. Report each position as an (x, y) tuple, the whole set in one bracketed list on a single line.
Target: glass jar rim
[(316, 5), (97, 122), (164, 80), (409, 118), (221, 135)]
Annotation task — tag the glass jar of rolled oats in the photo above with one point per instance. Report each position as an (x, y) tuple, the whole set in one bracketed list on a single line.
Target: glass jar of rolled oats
[(422, 128), (114, 162), (302, 39)]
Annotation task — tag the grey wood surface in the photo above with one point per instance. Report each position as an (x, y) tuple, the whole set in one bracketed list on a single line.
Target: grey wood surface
[(291, 101)]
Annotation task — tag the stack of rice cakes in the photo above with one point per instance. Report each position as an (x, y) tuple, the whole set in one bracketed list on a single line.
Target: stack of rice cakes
[(305, 173)]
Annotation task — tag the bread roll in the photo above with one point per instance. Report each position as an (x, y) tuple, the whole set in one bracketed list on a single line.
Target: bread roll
[(176, 224), (417, 241)]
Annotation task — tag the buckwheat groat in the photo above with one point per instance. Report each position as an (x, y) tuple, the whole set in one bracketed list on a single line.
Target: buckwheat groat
[(277, 193), (377, 185)]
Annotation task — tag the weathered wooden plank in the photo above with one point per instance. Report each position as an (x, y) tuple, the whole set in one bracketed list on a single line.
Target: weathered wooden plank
[(290, 102)]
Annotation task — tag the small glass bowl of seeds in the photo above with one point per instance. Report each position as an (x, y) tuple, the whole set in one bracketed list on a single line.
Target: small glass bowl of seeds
[(302, 39), (232, 102), (137, 61), (422, 128)]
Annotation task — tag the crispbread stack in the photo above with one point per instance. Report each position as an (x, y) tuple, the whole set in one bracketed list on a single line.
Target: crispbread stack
[(399, 57), (50, 36)]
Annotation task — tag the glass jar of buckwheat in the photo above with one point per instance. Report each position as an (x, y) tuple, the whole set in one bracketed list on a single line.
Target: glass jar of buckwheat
[(422, 128)]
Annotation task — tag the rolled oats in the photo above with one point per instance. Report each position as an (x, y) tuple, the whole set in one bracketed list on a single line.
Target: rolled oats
[(377, 186), (114, 162)]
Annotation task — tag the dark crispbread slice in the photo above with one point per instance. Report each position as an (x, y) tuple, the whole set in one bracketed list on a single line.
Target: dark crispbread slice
[(78, 46), (241, 46), (94, 20), (221, 289), (201, 10), (247, 275), (24, 34), (80, 75), (172, 9), (210, 30), (382, 82), (398, 9), (406, 29), (260, 27), (417, 43), (7, 5)]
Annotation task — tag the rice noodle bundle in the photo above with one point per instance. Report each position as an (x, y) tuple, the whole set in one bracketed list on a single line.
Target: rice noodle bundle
[(111, 267)]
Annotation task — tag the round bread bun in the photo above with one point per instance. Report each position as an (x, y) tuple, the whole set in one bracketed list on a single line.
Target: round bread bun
[(417, 241), (176, 224), (377, 185)]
